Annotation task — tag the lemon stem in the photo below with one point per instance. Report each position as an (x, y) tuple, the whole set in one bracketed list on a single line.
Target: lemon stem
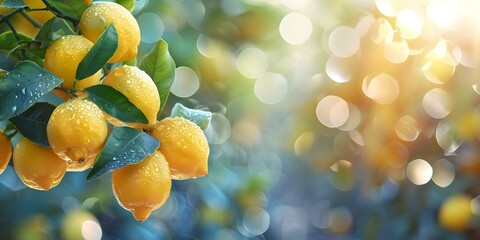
[(69, 92), (15, 34)]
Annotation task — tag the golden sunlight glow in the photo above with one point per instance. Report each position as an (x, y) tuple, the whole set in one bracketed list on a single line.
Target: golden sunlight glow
[(295, 28), (381, 88), (389, 8), (439, 64), (407, 128), (409, 24), (395, 154), (396, 51), (379, 30), (440, 12)]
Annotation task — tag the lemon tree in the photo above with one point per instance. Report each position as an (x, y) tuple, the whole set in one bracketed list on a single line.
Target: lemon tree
[(105, 119)]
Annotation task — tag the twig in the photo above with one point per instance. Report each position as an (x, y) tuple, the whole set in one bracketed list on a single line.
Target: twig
[(57, 13)]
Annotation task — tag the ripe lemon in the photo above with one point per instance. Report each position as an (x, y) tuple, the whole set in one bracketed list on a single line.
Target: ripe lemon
[(456, 212), (5, 151), (185, 147), (63, 56), (98, 16), (77, 132), (143, 187), (139, 88), (38, 168)]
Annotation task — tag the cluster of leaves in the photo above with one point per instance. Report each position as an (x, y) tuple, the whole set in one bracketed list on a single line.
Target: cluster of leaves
[(23, 86)]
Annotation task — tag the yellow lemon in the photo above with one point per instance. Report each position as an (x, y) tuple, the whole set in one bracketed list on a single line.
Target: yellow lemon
[(5, 151), (38, 167), (139, 88), (63, 56), (77, 132), (185, 147), (143, 187), (98, 16)]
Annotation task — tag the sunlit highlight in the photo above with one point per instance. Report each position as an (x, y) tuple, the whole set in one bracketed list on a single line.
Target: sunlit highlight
[(337, 70), (419, 172), (344, 41), (186, 82), (440, 12), (381, 88), (436, 103), (332, 111), (443, 173), (409, 23), (295, 28), (407, 128), (91, 230)]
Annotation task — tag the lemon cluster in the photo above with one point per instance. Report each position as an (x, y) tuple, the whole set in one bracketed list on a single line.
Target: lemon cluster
[(77, 130)]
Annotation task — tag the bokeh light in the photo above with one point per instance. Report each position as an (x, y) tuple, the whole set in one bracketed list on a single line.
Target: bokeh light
[(252, 62), (409, 24), (295, 28), (271, 88), (151, 27), (186, 82), (344, 41), (419, 171), (436, 103), (381, 88), (332, 111), (443, 173)]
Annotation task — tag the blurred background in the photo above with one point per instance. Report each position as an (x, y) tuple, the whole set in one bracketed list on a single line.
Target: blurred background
[(332, 119)]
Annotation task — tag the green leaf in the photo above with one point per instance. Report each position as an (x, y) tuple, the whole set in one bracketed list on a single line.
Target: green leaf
[(32, 123), (9, 42), (128, 4), (98, 56), (70, 8), (124, 146), (199, 117), (159, 65), (12, 4), (23, 86), (54, 29), (3, 73), (115, 103)]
